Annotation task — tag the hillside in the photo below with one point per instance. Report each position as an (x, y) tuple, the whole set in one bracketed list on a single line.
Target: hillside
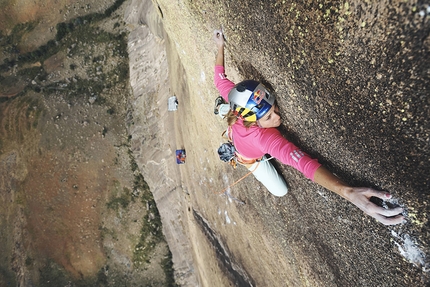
[(75, 209)]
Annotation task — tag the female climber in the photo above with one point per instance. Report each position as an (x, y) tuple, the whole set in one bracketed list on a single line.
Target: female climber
[(253, 118)]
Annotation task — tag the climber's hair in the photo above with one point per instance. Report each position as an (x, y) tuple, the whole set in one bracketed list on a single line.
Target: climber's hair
[(232, 118)]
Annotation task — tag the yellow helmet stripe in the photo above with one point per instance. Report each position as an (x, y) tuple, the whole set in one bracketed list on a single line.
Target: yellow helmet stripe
[(246, 114)]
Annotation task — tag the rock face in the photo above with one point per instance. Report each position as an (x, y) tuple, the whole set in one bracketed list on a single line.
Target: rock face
[(352, 81), (156, 131)]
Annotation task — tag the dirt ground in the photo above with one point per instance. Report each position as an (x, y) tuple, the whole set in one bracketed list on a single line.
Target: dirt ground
[(73, 206)]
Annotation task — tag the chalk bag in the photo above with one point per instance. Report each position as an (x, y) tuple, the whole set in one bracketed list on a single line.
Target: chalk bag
[(226, 152)]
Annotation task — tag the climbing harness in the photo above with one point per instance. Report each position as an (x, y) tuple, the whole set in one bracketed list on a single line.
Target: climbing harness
[(243, 177), (228, 153)]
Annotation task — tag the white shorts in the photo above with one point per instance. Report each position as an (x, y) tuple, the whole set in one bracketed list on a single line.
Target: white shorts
[(266, 173)]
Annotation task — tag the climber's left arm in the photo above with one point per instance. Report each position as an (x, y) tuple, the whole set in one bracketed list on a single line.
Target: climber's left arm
[(360, 197)]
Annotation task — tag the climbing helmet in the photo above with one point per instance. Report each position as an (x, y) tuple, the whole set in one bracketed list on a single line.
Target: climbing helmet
[(250, 100)]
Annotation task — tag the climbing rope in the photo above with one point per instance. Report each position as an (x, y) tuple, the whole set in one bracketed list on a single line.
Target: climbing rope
[(243, 177)]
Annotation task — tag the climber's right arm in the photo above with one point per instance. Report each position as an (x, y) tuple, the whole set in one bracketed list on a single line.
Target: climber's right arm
[(220, 42)]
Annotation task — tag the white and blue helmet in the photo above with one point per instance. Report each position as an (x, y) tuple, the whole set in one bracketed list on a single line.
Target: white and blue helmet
[(250, 100)]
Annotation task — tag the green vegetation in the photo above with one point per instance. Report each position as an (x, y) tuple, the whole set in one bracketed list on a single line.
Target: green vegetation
[(167, 265), (66, 28), (53, 275), (40, 54), (81, 37), (150, 234), (105, 231), (11, 41), (76, 38), (66, 33), (110, 111), (123, 200), (99, 81), (102, 278), (30, 73), (81, 88), (29, 261), (151, 231), (122, 72), (7, 278)]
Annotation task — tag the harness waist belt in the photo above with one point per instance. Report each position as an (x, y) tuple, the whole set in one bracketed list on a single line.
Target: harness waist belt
[(244, 160)]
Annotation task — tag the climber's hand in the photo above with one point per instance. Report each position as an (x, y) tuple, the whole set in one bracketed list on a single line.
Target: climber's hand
[(361, 197), (219, 38)]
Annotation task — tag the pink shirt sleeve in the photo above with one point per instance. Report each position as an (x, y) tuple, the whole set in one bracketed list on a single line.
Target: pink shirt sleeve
[(223, 84), (272, 142)]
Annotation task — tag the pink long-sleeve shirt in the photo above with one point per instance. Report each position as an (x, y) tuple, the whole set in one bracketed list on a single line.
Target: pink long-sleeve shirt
[(254, 142)]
